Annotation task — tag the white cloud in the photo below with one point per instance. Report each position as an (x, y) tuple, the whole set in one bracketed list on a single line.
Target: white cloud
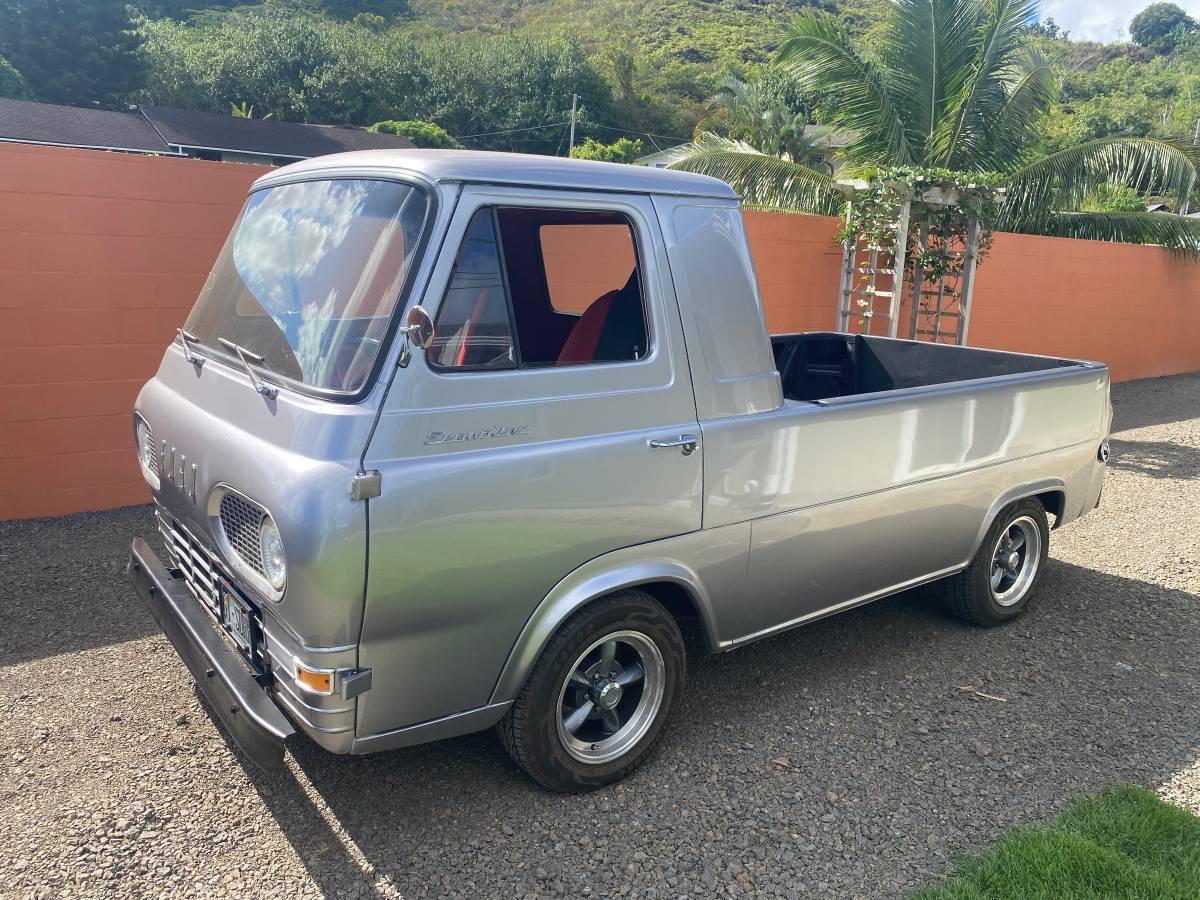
[(1102, 20)]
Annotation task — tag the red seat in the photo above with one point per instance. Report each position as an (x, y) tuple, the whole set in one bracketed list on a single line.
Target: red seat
[(581, 343)]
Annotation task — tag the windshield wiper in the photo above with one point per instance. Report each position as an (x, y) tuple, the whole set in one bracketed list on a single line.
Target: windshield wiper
[(186, 338), (247, 357)]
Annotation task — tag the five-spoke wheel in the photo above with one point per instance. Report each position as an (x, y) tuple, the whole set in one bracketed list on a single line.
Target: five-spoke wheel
[(1001, 578), (598, 697), (610, 697), (1016, 560)]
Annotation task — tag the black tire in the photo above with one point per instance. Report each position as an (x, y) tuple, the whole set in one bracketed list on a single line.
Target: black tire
[(969, 594), (531, 731)]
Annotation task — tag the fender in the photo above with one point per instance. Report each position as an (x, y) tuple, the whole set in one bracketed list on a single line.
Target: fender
[(696, 562), (1012, 495)]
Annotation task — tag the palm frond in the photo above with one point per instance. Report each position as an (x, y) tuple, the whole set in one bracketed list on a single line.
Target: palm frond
[(1063, 180), (732, 93), (819, 53), (961, 140), (1029, 87), (761, 179), (1178, 233), (930, 41)]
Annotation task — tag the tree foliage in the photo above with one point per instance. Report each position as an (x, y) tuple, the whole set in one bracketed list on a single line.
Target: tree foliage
[(1121, 89), (303, 66), (12, 82), (764, 116), (482, 85), (80, 52), (422, 134), (622, 150), (1161, 26), (957, 85), (1110, 198)]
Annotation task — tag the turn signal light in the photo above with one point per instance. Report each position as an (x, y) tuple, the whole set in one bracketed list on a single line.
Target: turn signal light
[(317, 682)]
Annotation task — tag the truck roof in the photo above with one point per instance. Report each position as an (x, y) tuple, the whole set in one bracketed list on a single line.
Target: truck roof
[(487, 167)]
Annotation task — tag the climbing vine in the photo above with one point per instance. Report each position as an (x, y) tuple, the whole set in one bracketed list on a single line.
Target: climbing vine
[(944, 204)]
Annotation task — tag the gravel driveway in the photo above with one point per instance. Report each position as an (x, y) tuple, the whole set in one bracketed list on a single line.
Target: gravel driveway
[(855, 757)]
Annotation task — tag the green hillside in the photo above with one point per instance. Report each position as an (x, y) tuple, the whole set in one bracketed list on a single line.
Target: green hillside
[(501, 73), (675, 50)]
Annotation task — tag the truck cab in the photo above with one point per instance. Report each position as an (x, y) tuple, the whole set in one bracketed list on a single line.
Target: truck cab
[(454, 440)]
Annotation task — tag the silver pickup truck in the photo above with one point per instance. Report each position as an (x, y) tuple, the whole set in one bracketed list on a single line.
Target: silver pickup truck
[(458, 440)]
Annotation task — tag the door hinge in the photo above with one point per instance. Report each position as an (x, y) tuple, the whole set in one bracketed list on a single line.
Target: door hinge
[(355, 683), (366, 485)]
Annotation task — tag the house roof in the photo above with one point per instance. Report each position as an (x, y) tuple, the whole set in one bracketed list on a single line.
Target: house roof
[(159, 129), (216, 131), (527, 169), (46, 123)]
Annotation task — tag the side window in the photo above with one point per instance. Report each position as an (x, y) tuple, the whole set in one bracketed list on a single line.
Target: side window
[(473, 330), (542, 288)]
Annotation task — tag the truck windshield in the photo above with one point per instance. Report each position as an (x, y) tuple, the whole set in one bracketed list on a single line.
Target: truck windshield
[(310, 276)]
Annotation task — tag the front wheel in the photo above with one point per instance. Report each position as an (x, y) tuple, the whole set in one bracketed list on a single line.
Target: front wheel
[(1004, 573), (596, 701)]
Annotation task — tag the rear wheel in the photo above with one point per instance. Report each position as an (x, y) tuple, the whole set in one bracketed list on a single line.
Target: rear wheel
[(998, 584), (596, 701)]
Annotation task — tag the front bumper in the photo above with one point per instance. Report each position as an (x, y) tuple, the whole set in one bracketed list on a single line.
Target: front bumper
[(257, 725)]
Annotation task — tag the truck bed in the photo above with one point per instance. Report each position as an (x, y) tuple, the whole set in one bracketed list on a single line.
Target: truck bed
[(826, 365)]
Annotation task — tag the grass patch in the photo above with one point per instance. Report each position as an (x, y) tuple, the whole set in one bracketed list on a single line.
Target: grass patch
[(1123, 843)]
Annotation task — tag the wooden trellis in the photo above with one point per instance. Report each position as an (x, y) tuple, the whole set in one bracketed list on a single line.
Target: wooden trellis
[(874, 288)]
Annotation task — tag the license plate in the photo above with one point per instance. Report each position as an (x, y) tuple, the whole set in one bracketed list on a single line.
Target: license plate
[(235, 615)]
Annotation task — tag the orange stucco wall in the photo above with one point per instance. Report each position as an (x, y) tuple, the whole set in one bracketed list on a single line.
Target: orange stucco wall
[(102, 254), (584, 262), (1136, 308)]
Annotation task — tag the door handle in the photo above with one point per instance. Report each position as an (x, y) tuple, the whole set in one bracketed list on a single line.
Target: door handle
[(687, 443)]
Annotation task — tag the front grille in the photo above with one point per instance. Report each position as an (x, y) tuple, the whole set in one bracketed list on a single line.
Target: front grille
[(193, 559), (241, 521), (202, 574)]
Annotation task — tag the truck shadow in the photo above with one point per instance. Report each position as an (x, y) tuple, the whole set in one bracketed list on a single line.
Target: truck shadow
[(907, 716), (1155, 401), (62, 583), (1158, 459)]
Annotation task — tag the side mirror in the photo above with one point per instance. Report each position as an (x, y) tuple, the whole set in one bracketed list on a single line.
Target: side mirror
[(419, 327), (417, 331)]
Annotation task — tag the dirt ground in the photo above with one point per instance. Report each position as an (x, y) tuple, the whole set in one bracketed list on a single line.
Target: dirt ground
[(852, 758)]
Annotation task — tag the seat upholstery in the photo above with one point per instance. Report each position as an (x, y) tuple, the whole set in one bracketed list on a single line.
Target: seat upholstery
[(581, 343), (611, 329)]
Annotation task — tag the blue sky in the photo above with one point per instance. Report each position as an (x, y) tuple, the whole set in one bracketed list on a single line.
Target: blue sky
[(1102, 20)]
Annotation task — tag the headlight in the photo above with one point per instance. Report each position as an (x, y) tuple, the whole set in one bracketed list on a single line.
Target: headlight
[(270, 546), (147, 460)]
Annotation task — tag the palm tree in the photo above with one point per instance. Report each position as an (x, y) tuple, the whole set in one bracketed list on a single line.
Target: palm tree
[(955, 85), (748, 112)]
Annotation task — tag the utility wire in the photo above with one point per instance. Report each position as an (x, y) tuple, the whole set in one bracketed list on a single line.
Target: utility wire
[(665, 137), (561, 138), (463, 137), (589, 125)]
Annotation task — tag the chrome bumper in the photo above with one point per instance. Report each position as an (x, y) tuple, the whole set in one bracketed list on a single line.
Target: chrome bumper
[(257, 725), (327, 719)]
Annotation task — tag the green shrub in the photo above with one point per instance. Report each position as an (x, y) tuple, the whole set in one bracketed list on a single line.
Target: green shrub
[(622, 150), (423, 134)]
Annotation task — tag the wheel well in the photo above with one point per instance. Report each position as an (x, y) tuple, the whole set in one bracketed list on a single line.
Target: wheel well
[(1053, 502), (682, 607)]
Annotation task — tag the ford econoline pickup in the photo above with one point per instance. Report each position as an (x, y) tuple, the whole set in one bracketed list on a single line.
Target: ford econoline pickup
[(457, 440)]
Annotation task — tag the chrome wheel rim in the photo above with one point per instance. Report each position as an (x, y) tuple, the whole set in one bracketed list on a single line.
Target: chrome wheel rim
[(610, 697), (1015, 561)]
